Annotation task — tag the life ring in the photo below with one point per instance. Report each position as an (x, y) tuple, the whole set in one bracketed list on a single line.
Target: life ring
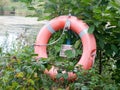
[(77, 26)]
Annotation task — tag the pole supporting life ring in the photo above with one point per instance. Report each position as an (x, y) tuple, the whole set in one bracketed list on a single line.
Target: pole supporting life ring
[(77, 26)]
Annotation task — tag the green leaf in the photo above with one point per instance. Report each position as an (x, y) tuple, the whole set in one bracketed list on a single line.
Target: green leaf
[(77, 44), (114, 48), (91, 29), (30, 81), (31, 88), (17, 70), (97, 10), (57, 48), (119, 23), (78, 52), (65, 75), (20, 75), (84, 88), (77, 85), (97, 23), (42, 67), (70, 53), (34, 54), (15, 84), (59, 75), (101, 43), (29, 70)]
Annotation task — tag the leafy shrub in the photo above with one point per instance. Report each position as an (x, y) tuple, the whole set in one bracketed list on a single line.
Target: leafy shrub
[(20, 71)]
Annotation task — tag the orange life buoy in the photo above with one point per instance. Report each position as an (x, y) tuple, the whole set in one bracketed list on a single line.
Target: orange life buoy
[(77, 26)]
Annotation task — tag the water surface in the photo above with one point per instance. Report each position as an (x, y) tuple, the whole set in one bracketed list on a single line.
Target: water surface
[(18, 30)]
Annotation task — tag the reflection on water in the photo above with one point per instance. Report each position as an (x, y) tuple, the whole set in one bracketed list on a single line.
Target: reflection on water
[(18, 31)]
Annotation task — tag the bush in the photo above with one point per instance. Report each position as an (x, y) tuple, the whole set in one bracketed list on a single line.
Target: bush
[(19, 70)]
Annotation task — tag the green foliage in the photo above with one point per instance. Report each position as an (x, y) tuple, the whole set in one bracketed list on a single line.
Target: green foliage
[(102, 16), (20, 71), (91, 29)]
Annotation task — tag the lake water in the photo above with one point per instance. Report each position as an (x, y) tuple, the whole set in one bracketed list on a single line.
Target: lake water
[(18, 30)]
